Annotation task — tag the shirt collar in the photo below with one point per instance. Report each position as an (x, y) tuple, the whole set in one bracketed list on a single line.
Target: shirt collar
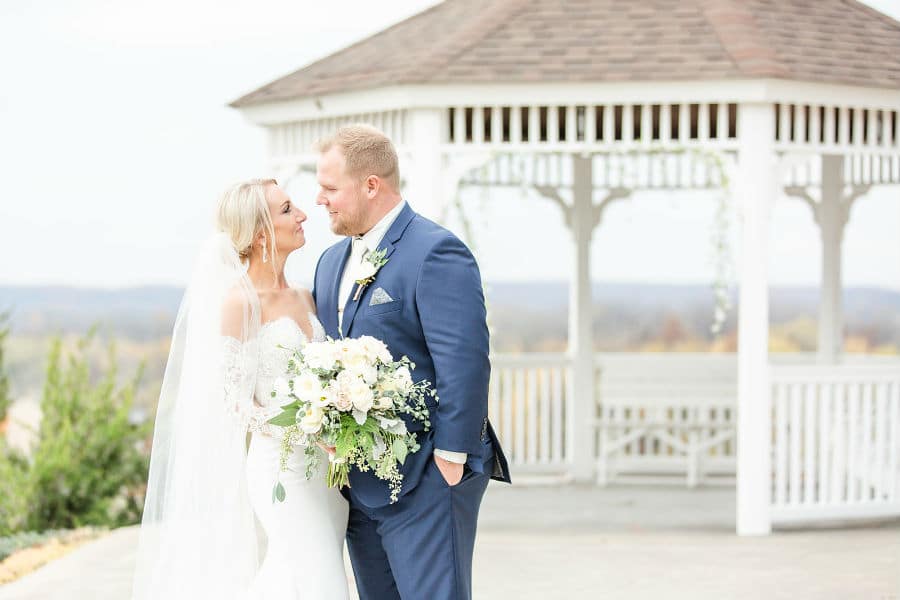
[(373, 237)]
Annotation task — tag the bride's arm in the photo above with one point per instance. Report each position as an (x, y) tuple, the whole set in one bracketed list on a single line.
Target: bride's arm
[(240, 363), (238, 367), (249, 415), (238, 401)]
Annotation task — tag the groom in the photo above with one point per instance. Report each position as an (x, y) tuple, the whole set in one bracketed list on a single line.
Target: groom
[(426, 303)]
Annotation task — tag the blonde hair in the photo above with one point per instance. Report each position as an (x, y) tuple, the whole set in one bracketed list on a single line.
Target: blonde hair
[(367, 151), (244, 212)]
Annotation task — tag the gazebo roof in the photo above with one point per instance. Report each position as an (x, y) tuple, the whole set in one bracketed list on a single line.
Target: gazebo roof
[(540, 41)]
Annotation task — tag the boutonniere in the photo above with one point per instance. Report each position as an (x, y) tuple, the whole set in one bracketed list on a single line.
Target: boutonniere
[(368, 269)]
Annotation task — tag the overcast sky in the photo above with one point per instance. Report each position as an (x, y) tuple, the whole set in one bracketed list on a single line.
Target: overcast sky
[(115, 142)]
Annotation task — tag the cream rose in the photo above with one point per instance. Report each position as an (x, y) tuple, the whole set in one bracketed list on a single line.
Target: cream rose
[(307, 388), (337, 398), (375, 349), (367, 373), (311, 422), (320, 356), (361, 396)]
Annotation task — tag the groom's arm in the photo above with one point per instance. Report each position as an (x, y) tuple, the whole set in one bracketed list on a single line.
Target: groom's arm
[(450, 303)]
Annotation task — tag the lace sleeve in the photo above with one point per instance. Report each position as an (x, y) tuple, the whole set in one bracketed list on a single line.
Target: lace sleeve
[(238, 394), (259, 418), (247, 414)]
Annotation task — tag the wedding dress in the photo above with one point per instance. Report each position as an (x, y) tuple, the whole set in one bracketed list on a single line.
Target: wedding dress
[(209, 502), (305, 533)]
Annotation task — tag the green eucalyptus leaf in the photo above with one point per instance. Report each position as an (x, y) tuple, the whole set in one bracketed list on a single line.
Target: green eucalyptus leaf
[(285, 419), (399, 449), (278, 493)]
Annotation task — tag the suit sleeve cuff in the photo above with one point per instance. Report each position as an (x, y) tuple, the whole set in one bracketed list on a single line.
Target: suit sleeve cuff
[(454, 457)]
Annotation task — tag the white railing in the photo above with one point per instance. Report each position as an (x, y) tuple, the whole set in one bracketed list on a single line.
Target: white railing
[(836, 442), (672, 418), (659, 417), (529, 404)]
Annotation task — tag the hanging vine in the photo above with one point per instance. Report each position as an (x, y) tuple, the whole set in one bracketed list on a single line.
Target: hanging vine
[(720, 239)]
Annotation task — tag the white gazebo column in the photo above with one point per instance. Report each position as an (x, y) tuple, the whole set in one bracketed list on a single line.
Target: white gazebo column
[(423, 169), (582, 415), (832, 218), (756, 190)]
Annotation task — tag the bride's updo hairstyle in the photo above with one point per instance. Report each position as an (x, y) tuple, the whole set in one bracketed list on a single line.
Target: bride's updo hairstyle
[(244, 213)]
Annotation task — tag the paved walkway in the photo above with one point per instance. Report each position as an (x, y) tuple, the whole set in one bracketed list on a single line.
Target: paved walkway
[(582, 542)]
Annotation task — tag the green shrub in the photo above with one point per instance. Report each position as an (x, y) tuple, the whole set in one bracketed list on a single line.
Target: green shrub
[(88, 466), (5, 399), (14, 490)]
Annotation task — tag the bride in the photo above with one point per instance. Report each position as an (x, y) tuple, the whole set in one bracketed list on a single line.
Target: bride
[(209, 498)]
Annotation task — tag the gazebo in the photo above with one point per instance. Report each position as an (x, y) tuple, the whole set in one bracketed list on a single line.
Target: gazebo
[(589, 102)]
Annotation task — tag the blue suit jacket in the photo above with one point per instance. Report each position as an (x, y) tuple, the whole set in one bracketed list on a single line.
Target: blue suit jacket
[(437, 319)]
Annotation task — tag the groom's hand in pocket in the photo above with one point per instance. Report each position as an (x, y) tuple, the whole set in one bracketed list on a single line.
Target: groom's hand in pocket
[(451, 471)]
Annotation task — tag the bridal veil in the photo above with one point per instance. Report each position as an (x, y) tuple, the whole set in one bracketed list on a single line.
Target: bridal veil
[(198, 538)]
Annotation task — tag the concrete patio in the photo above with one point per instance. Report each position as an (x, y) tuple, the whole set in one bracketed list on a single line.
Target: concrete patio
[(586, 542)]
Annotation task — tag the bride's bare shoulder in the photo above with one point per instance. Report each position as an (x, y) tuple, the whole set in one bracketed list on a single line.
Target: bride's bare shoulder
[(233, 312)]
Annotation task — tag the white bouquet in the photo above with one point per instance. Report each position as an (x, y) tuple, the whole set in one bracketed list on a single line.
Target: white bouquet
[(349, 395)]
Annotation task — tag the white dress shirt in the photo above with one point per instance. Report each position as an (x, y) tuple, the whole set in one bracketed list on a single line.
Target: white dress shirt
[(361, 246)]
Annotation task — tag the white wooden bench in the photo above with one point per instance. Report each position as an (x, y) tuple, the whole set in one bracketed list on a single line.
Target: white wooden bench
[(666, 418)]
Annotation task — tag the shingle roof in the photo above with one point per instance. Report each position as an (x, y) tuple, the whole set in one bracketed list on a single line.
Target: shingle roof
[(523, 41)]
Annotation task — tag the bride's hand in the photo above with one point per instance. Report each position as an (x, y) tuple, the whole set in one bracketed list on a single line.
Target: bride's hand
[(328, 449)]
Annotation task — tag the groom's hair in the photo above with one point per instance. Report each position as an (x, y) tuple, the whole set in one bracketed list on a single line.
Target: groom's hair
[(367, 151)]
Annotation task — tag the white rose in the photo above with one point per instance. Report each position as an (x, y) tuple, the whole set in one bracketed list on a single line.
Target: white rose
[(375, 349), (361, 396), (338, 399), (356, 364), (384, 403), (353, 354), (308, 388), (320, 355), (311, 422), (367, 373), (345, 379), (365, 270)]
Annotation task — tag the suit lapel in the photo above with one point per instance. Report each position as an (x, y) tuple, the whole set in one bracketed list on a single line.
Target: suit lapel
[(393, 235)]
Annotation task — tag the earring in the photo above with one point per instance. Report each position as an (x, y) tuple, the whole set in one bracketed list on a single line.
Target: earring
[(265, 253)]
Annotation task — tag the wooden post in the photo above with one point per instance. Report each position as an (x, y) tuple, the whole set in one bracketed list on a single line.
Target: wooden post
[(756, 190), (422, 171), (581, 418), (831, 216)]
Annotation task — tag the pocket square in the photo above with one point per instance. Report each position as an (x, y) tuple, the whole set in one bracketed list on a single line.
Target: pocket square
[(379, 296)]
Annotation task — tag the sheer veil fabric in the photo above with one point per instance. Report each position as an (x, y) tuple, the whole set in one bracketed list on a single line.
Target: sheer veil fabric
[(198, 537)]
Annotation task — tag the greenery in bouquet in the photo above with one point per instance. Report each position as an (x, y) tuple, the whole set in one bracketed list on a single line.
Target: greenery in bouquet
[(350, 395)]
